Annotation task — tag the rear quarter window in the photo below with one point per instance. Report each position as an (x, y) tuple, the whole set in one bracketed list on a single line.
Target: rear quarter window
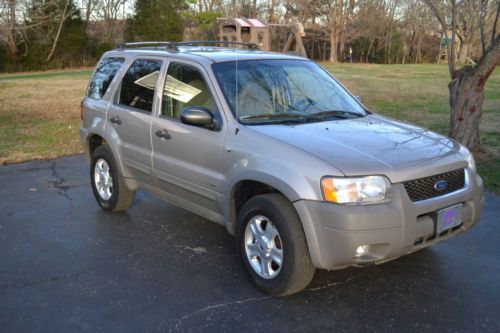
[(103, 76)]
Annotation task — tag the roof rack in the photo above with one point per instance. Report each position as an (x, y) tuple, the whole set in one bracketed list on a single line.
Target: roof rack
[(251, 46), (174, 46), (144, 44)]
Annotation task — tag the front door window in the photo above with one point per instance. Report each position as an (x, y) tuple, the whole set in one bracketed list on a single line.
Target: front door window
[(184, 86)]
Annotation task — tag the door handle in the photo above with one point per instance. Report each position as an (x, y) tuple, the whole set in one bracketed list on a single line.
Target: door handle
[(116, 120), (163, 134)]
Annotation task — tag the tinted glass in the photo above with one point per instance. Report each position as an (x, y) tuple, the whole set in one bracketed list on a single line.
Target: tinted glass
[(138, 84), (184, 86), (103, 76), (269, 91)]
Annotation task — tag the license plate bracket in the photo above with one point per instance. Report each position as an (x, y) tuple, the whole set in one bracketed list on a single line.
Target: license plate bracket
[(448, 218)]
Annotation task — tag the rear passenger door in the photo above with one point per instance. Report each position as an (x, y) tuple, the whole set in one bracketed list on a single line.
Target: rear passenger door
[(130, 116), (187, 161), (98, 95)]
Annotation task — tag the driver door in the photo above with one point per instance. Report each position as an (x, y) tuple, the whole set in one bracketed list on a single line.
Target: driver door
[(187, 160)]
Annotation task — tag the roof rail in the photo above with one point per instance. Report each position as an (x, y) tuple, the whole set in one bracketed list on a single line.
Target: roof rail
[(173, 46), (251, 46), (145, 44)]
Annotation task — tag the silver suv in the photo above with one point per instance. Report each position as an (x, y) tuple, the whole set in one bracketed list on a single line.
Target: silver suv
[(275, 149)]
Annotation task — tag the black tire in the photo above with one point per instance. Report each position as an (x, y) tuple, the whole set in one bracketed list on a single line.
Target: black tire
[(121, 198), (297, 269)]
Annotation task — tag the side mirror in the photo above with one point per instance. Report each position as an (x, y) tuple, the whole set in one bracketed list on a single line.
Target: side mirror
[(197, 116)]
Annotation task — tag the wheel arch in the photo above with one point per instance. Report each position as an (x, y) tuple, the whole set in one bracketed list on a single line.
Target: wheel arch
[(247, 187), (96, 139)]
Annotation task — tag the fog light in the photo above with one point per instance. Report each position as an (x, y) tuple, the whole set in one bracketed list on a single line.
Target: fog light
[(362, 251)]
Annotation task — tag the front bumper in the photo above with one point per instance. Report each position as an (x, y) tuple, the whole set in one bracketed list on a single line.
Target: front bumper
[(390, 230)]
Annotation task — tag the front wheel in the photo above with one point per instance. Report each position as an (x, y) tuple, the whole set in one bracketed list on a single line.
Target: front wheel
[(273, 245)]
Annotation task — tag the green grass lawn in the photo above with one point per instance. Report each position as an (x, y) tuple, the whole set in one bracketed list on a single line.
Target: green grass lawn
[(39, 112), (419, 94)]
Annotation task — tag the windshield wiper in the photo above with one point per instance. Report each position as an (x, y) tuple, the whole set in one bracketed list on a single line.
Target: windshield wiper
[(274, 118), (269, 115), (296, 117), (336, 113)]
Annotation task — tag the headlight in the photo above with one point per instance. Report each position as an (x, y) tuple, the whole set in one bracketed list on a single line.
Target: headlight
[(471, 162), (359, 190)]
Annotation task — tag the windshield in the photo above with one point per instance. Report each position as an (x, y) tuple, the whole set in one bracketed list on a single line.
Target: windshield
[(283, 91)]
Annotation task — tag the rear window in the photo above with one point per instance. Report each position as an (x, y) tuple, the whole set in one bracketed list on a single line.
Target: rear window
[(103, 76), (139, 83)]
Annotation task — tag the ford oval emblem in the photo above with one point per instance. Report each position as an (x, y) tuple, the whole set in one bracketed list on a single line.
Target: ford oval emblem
[(440, 185)]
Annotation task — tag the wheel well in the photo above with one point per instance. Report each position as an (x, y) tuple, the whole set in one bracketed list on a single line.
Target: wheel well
[(245, 190), (94, 142)]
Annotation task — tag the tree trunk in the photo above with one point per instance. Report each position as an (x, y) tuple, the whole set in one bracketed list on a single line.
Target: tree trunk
[(466, 102), (419, 50), (467, 96), (464, 53), (367, 59), (333, 46), (334, 33), (271, 11), (234, 8), (12, 34), (88, 10), (56, 38), (341, 23)]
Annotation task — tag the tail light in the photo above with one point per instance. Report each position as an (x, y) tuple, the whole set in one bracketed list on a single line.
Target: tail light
[(81, 110)]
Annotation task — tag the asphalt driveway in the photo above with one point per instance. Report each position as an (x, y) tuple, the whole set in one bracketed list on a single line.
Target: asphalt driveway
[(65, 265)]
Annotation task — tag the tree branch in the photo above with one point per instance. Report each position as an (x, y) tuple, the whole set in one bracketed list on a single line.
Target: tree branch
[(56, 39), (493, 33), (484, 3), (451, 53), (488, 62), (442, 20), (436, 13)]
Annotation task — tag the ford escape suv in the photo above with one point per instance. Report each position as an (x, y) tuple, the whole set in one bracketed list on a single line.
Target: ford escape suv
[(275, 149)]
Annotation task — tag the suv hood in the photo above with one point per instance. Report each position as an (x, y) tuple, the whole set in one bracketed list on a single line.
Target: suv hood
[(373, 145)]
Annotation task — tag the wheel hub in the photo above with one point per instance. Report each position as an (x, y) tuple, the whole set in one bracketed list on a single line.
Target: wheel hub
[(263, 247), (103, 179)]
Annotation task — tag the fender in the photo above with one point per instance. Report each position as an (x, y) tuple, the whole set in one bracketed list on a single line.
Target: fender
[(268, 177), (255, 157), (108, 133)]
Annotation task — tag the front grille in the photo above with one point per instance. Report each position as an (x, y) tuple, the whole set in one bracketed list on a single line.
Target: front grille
[(423, 188)]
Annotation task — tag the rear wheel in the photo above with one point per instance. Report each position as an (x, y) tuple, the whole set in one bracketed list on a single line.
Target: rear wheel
[(273, 246), (110, 191)]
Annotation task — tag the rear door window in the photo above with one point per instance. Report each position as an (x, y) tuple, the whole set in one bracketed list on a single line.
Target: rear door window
[(139, 83), (103, 76)]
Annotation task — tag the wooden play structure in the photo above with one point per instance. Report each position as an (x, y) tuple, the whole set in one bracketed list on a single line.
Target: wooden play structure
[(443, 49), (286, 38), (242, 30)]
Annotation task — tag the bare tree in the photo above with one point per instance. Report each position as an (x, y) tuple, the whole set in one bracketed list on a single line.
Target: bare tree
[(14, 27), (89, 6), (12, 33), (234, 8), (108, 12), (64, 16), (467, 83), (417, 25), (271, 11), (336, 24)]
